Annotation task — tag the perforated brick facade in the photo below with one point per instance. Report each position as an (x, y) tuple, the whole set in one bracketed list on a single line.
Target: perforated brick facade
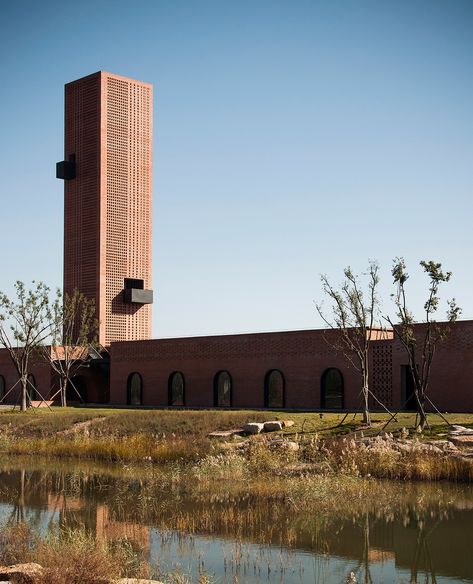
[(107, 208), (301, 356)]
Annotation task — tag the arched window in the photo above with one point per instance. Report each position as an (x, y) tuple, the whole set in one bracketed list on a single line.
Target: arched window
[(176, 389), (274, 389), (331, 393), (31, 387), (223, 390), (2, 387), (135, 390)]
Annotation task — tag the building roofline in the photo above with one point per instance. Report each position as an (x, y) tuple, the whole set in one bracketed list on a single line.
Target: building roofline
[(239, 334), (269, 333), (112, 75)]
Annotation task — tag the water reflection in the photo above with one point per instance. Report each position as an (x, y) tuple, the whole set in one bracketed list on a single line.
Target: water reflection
[(423, 534)]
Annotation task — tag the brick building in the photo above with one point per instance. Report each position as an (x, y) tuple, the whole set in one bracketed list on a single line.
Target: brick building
[(107, 201), (292, 370), (107, 255)]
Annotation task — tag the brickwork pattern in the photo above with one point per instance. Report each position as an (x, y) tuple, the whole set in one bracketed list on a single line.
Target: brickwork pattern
[(81, 201), (381, 373), (302, 357), (108, 127), (128, 215)]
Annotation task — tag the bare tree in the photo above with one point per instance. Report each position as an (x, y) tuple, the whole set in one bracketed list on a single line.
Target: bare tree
[(421, 341), (24, 328), (354, 314), (74, 329)]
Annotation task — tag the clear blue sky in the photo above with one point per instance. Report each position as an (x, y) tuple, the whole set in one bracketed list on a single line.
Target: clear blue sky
[(292, 138)]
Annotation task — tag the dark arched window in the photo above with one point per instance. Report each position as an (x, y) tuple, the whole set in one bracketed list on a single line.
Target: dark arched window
[(331, 393), (176, 389), (2, 387), (31, 387), (223, 390), (274, 389), (135, 390)]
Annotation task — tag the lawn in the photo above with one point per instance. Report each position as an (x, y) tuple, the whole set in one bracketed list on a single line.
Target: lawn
[(44, 423)]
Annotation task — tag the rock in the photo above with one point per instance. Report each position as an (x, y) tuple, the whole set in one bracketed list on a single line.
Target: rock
[(432, 448), (415, 446), (272, 426), (285, 444), (21, 573), (235, 445), (444, 445), (464, 456), (287, 423), (253, 428), (292, 446), (461, 431), (404, 447), (225, 433), (462, 441), (136, 581)]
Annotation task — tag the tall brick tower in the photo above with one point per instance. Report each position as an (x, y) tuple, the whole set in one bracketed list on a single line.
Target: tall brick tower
[(107, 201)]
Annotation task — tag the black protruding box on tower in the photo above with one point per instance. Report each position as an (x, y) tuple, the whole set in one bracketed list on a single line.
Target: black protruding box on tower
[(66, 169), (134, 292)]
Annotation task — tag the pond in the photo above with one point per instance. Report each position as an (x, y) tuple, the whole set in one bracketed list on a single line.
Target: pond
[(243, 532)]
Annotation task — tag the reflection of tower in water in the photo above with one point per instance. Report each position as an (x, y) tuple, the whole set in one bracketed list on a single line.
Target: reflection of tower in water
[(407, 536), (109, 529), (77, 512)]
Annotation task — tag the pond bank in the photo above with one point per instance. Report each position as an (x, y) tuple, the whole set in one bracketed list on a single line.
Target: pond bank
[(316, 444)]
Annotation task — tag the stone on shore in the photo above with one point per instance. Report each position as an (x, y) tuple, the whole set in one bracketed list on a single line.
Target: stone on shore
[(225, 433), (253, 428), (462, 441), (272, 426), (288, 445), (21, 573), (136, 581), (461, 431)]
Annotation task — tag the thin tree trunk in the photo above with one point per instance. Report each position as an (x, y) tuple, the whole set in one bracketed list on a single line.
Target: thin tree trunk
[(64, 392), (24, 393), (366, 396), (421, 410), (366, 411)]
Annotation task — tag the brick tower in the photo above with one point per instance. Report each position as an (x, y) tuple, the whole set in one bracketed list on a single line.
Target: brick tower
[(107, 201)]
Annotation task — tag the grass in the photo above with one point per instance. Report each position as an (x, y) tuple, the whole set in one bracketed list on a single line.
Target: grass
[(43, 423), (73, 556), (180, 437), (247, 495)]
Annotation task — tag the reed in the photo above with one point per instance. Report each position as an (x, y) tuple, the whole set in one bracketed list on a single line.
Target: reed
[(179, 439), (136, 447)]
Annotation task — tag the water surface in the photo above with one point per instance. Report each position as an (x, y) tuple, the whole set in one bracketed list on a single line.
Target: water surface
[(240, 533)]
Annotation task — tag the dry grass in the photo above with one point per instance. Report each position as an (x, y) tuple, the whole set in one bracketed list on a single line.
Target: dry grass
[(179, 437), (138, 447), (125, 422), (346, 456), (72, 556), (17, 544)]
